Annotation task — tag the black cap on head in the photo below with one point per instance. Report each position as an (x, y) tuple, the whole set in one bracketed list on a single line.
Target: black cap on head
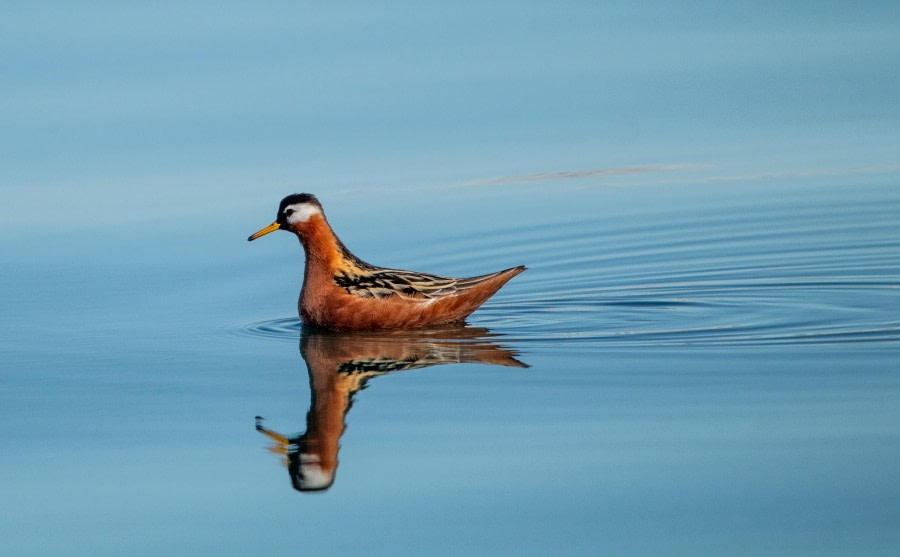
[(293, 199)]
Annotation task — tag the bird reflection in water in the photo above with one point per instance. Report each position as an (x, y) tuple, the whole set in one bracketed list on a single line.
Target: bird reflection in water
[(339, 365)]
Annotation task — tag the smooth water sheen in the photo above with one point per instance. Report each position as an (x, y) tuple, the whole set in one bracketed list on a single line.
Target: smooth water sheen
[(702, 358)]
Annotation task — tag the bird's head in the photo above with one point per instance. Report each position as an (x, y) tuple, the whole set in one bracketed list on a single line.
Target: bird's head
[(292, 212)]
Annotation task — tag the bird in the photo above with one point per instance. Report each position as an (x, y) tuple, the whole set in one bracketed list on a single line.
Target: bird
[(341, 292)]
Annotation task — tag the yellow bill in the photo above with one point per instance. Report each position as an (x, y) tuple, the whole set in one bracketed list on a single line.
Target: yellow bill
[(271, 228)]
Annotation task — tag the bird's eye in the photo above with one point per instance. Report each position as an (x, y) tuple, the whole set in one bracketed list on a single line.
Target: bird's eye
[(288, 212)]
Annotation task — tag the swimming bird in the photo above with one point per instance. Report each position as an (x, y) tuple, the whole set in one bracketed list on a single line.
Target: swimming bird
[(341, 292)]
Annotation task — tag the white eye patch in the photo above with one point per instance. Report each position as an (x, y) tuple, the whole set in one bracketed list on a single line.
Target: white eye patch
[(301, 212)]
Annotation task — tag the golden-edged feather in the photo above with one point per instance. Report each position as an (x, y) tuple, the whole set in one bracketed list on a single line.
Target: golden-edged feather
[(411, 285)]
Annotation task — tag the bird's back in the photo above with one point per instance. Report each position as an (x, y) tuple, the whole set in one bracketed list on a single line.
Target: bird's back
[(379, 299)]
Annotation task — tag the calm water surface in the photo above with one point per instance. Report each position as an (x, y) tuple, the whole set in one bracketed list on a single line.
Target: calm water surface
[(702, 358), (716, 375)]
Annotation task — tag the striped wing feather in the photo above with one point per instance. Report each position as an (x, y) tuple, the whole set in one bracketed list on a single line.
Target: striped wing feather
[(383, 283)]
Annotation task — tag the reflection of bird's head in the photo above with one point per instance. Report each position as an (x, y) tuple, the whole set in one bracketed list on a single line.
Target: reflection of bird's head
[(307, 473)]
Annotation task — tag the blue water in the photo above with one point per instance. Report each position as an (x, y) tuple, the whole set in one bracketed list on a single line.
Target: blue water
[(701, 359)]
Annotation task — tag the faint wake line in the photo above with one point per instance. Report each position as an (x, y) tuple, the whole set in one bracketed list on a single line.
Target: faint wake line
[(578, 174)]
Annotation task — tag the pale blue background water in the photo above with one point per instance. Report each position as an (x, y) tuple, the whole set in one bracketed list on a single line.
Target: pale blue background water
[(707, 198)]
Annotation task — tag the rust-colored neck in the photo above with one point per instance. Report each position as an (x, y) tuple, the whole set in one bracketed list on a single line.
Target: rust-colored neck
[(319, 242)]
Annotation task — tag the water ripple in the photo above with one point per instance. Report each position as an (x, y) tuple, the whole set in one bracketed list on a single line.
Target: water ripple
[(805, 312), (286, 328)]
